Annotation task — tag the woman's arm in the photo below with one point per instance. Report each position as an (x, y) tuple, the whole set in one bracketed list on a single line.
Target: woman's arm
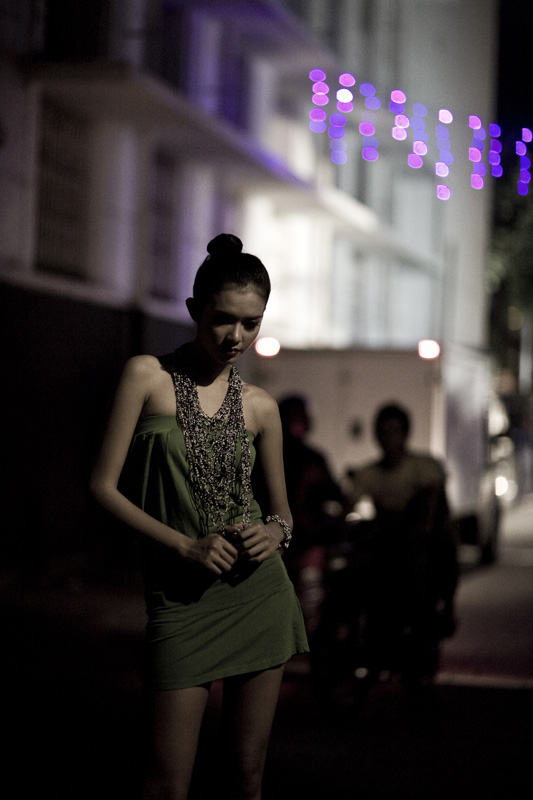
[(270, 454), (258, 541), (136, 385)]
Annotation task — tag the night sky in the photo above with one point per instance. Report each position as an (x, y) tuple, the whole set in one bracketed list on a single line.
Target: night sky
[(515, 92)]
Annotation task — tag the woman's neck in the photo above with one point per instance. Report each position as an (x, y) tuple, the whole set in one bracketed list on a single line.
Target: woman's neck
[(203, 370)]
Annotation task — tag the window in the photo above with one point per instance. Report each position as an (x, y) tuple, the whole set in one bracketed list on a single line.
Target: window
[(166, 42), (62, 191), (162, 215), (76, 31)]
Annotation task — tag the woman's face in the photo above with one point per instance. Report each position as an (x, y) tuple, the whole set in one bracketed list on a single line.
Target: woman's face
[(229, 322)]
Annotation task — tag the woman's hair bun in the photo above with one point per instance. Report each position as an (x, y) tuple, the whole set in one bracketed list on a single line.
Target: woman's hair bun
[(225, 244)]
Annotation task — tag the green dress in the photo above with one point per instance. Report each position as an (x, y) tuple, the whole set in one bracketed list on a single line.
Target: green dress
[(202, 627)]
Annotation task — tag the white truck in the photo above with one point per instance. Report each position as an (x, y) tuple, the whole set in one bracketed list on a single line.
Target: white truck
[(448, 397)]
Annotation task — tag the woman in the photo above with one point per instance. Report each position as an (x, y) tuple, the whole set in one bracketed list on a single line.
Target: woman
[(175, 466)]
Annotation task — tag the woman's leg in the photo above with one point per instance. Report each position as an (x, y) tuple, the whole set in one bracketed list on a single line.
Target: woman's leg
[(174, 729), (248, 708)]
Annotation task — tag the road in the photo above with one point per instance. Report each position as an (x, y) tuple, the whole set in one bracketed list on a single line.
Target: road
[(493, 645), (474, 740), (72, 702)]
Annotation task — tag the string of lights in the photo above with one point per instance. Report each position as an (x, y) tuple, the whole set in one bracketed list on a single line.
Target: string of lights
[(484, 144)]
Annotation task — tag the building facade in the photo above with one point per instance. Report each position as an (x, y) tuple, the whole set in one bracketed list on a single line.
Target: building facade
[(133, 131)]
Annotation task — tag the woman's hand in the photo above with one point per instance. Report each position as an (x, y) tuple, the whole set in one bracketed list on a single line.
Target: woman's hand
[(213, 552), (254, 542)]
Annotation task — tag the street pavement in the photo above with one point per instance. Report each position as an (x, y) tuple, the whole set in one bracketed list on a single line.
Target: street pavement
[(474, 736), (73, 705)]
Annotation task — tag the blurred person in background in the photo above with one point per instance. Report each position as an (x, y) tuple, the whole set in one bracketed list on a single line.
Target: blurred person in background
[(413, 572), (317, 505)]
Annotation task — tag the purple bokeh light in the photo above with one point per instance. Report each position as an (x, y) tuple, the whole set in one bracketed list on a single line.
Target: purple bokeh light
[(373, 103), (446, 156), (396, 108), (419, 110), (367, 89), (420, 136), (476, 181), (318, 114), (317, 75), (337, 119), (495, 148), (339, 156), (370, 154), (335, 132), (443, 192), (525, 162)]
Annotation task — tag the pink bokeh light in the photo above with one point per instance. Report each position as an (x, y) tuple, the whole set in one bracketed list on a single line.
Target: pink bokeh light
[(415, 161), (346, 79), (367, 129), (397, 96)]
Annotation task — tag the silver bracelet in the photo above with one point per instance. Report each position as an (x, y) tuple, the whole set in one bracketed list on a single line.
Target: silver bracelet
[(286, 528)]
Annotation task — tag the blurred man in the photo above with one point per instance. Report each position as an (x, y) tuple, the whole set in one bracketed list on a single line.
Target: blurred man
[(410, 597)]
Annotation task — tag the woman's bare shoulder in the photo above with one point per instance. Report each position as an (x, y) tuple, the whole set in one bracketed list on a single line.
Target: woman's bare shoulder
[(258, 396), (260, 404), (144, 370)]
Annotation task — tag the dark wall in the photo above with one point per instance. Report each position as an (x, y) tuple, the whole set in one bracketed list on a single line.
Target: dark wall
[(60, 360)]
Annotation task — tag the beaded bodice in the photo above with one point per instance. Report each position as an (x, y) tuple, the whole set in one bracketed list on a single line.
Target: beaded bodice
[(212, 444)]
